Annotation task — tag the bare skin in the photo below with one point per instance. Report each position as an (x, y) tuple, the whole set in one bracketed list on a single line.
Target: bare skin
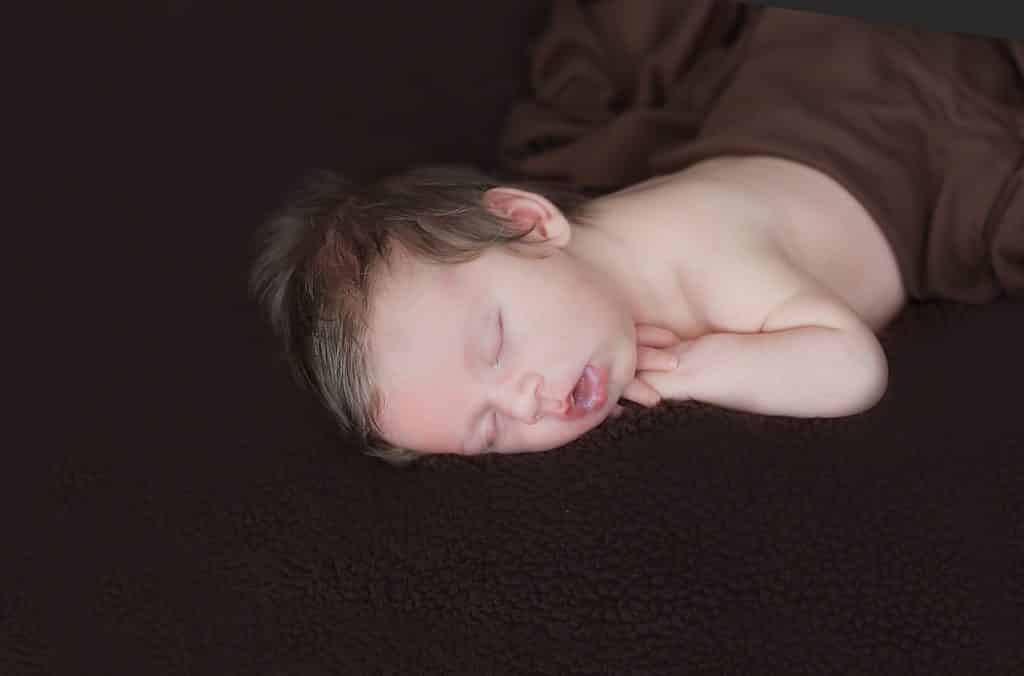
[(749, 283), (653, 354), (790, 236)]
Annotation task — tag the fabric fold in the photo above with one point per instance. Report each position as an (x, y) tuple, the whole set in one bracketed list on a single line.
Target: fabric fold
[(925, 129)]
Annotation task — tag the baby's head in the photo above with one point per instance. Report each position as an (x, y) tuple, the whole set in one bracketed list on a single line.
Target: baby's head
[(440, 311)]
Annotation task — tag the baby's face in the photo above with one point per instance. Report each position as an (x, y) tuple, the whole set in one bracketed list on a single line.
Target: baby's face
[(482, 356)]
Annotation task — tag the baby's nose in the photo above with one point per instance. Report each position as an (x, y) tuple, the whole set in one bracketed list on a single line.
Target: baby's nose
[(546, 406), (528, 403)]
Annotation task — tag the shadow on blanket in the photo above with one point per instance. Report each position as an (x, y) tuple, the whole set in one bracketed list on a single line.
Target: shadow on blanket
[(216, 525)]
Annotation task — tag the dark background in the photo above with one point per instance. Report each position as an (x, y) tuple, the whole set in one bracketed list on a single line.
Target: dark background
[(981, 17), (172, 504)]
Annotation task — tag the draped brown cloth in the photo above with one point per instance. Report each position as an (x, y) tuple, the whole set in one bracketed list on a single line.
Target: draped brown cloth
[(925, 128)]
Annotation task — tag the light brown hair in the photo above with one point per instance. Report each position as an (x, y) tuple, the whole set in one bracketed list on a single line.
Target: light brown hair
[(322, 251)]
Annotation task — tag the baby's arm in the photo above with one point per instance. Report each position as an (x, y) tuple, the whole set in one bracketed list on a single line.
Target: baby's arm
[(812, 358)]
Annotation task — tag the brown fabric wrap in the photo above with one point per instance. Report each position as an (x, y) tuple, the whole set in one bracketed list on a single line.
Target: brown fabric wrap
[(925, 128)]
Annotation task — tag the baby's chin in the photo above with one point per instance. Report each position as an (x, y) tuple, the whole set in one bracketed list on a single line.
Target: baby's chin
[(584, 427), (595, 420)]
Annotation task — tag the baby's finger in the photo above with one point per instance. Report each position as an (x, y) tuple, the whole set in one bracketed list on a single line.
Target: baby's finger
[(655, 336), (642, 393), (652, 359), (671, 386)]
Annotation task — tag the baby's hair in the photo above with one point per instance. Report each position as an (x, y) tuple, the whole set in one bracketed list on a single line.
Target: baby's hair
[(321, 253)]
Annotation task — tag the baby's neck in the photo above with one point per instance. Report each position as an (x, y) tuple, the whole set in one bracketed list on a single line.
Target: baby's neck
[(626, 249), (653, 239)]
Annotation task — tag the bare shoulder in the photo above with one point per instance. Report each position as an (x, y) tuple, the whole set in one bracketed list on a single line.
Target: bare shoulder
[(760, 230), (729, 261), (737, 278)]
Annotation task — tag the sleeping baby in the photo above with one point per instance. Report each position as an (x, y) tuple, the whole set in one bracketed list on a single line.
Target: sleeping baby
[(441, 310)]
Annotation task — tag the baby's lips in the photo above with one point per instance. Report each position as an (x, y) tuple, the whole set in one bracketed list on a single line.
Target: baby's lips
[(597, 396)]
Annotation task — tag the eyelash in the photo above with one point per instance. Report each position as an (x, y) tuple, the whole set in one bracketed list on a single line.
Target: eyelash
[(497, 360)]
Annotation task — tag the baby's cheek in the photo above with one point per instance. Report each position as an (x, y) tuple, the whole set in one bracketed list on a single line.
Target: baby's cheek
[(544, 436)]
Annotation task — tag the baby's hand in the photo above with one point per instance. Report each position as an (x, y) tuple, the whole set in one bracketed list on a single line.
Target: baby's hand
[(651, 355)]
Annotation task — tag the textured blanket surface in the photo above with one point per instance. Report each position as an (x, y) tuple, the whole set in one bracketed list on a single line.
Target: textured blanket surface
[(201, 516), (683, 540)]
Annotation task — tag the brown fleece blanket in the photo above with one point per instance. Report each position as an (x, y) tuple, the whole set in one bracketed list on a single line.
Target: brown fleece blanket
[(925, 128), (204, 518)]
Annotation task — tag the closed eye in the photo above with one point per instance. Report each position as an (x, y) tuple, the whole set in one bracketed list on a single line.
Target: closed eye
[(497, 360), (501, 340)]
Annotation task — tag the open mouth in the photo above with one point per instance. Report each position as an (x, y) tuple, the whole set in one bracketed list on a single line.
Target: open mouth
[(590, 393)]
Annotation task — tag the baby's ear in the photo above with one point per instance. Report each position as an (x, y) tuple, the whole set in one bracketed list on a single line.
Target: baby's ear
[(532, 212)]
